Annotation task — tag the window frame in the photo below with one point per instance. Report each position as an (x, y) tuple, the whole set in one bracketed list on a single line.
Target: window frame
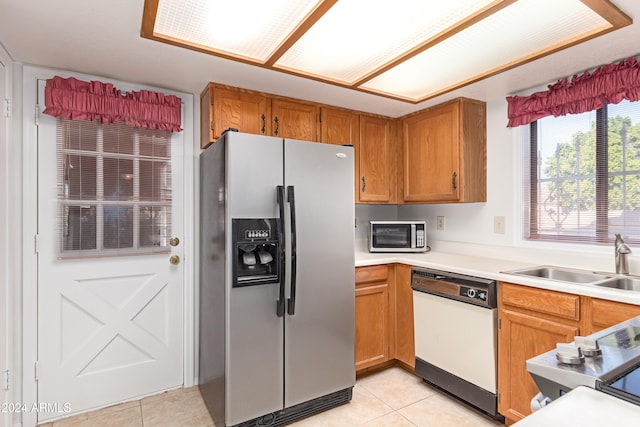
[(601, 237), (100, 202)]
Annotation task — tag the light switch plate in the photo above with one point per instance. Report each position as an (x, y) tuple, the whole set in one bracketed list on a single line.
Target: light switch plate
[(498, 224)]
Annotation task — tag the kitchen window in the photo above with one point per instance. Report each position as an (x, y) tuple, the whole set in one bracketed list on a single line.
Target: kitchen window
[(582, 183), (114, 189)]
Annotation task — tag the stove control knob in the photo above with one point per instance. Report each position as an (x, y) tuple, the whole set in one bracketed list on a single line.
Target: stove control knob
[(589, 346), (569, 354)]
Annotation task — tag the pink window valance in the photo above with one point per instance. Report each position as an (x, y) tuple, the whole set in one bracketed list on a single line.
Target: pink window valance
[(76, 99), (608, 84)]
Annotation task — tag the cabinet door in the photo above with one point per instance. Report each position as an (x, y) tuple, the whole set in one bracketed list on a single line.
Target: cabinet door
[(338, 127), (372, 325), (244, 111), (521, 337), (375, 157), (294, 120), (431, 156), (405, 348)]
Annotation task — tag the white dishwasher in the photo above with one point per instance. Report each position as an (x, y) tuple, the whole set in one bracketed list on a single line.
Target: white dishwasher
[(455, 322)]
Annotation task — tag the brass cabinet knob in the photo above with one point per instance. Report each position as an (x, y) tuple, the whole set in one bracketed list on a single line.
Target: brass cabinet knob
[(174, 260), (174, 241)]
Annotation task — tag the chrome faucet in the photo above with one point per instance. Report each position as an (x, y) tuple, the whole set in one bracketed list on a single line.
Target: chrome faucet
[(622, 250)]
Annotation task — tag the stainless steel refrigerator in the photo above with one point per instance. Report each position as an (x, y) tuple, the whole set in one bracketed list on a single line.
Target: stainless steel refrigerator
[(276, 278)]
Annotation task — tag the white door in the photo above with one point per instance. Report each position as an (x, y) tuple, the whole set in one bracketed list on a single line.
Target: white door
[(110, 328)]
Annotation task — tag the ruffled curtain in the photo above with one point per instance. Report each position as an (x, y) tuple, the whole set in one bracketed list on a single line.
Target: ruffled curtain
[(608, 84), (75, 99)]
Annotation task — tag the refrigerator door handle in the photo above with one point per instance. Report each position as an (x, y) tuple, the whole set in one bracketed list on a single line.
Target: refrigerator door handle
[(281, 253), (291, 303)]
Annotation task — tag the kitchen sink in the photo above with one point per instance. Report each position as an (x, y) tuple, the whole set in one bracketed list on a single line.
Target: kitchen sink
[(584, 277), (626, 283), (562, 274)]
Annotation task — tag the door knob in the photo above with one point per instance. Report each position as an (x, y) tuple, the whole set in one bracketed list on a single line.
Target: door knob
[(174, 241), (174, 260)]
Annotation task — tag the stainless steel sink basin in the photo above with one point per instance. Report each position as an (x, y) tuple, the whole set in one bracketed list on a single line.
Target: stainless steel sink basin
[(562, 274), (584, 277), (626, 283)]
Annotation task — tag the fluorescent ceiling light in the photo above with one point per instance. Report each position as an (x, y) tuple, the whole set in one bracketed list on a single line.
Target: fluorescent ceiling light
[(410, 50)]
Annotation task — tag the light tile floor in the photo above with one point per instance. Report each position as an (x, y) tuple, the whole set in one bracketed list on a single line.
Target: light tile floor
[(389, 398)]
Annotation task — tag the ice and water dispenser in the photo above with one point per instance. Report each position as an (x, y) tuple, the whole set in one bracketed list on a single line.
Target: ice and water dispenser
[(256, 251)]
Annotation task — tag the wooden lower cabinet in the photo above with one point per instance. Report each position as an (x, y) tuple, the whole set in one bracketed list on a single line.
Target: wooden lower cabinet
[(521, 337), (405, 348), (384, 317), (531, 321), (374, 321)]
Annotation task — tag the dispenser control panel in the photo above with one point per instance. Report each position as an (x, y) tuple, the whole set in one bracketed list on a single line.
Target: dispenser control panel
[(257, 234)]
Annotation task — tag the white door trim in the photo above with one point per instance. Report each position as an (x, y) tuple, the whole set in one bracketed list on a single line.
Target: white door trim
[(29, 229), (6, 331)]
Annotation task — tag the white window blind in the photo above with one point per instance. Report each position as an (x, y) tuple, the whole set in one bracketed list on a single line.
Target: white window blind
[(583, 177), (114, 189)]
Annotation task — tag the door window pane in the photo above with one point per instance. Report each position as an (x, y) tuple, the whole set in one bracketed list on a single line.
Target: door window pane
[(153, 225), (114, 189), (118, 179), (79, 228), (118, 227), (80, 177)]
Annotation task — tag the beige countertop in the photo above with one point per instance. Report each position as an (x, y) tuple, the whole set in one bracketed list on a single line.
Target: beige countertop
[(584, 407), (491, 267)]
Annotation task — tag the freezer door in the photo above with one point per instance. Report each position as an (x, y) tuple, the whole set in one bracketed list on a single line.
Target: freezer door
[(254, 371), (319, 327)]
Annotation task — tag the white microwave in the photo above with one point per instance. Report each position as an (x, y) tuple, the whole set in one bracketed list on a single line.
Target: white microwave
[(397, 236)]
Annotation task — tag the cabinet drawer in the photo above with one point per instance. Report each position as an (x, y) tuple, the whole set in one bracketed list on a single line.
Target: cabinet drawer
[(608, 313), (542, 301), (374, 273)]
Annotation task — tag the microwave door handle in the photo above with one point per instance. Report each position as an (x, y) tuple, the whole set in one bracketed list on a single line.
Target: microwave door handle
[(281, 253), (413, 236), (291, 304)]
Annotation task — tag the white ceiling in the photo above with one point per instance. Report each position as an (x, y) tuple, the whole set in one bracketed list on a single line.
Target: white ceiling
[(103, 38)]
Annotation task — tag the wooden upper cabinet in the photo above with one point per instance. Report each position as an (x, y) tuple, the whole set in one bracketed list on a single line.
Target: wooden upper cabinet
[(375, 161), (294, 120), (443, 154), (224, 108), (338, 127)]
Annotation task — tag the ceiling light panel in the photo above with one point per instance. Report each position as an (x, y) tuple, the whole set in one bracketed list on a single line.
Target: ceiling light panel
[(251, 29), (356, 37), (516, 32)]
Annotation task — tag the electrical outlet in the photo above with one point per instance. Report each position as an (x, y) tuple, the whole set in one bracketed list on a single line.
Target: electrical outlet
[(440, 224), (498, 224)]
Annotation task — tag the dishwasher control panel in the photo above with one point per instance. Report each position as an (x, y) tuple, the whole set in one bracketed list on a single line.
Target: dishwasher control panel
[(460, 287), (474, 293)]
